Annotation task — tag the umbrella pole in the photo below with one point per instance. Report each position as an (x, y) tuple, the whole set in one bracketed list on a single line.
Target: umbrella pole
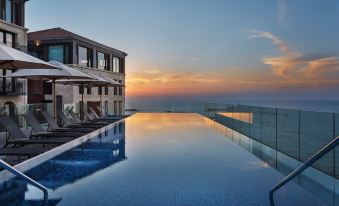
[(54, 103), (82, 102)]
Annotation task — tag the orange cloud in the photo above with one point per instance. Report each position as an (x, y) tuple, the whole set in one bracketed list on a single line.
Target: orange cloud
[(300, 69)]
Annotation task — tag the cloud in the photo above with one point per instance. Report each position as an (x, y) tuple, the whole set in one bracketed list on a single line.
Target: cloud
[(152, 71), (158, 76), (267, 35), (297, 68)]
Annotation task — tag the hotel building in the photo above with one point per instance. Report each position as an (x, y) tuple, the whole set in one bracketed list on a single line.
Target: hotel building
[(14, 34), (86, 55)]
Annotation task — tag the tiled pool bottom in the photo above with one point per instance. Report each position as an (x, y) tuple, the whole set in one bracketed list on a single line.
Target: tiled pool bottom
[(156, 159)]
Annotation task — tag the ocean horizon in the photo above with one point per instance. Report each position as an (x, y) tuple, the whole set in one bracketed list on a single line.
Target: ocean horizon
[(331, 106)]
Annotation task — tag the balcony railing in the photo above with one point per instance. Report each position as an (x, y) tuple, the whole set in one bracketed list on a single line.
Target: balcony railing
[(10, 88)]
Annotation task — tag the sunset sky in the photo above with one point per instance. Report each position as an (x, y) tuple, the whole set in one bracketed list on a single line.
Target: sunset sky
[(210, 48)]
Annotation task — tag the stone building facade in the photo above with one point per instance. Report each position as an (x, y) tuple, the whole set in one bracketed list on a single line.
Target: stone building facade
[(14, 34), (85, 55)]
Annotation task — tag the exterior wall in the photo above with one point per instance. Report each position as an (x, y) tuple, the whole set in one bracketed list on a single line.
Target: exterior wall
[(21, 44), (20, 34)]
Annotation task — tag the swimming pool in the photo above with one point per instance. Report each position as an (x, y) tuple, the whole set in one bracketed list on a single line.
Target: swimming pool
[(156, 159)]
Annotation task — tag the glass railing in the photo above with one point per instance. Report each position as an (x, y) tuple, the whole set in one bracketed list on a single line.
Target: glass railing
[(295, 133)]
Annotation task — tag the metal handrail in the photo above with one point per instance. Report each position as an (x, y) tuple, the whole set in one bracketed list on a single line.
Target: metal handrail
[(304, 166), (28, 179)]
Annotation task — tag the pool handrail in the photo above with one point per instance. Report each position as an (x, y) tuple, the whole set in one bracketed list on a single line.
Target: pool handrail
[(17, 173), (326, 149)]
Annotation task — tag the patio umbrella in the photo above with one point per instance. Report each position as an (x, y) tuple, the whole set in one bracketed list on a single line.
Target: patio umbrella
[(13, 59), (96, 81), (64, 72)]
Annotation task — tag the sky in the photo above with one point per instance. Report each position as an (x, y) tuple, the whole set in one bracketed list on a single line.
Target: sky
[(210, 49)]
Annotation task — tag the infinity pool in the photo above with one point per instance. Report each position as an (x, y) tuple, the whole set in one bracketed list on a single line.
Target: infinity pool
[(156, 159)]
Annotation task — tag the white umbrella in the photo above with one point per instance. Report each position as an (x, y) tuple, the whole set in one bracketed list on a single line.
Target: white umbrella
[(14, 59), (64, 72), (94, 82)]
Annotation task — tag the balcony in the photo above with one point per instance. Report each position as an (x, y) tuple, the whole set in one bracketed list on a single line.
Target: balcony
[(10, 88)]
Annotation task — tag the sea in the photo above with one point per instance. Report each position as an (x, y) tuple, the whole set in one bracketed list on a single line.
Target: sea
[(331, 106)]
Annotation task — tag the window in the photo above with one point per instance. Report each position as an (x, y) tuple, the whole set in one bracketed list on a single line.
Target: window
[(2, 37), (84, 56), (106, 90), (10, 39), (81, 90), (100, 90), (115, 90), (8, 12), (116, 64), (56, 53), (102, 61), (115, 107), (120, 107), (89, 90), (120, 88), (2, 9)]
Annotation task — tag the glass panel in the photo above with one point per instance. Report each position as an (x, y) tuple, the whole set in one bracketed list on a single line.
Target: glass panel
[(316, 131), (236, 117), (8, 10), (101, 60), (268, 127), (288, 132), (336, 119), (83, 56), (116, 64), (2, 37), (2, 9), (255, 126), (56, 53), (245, 120)]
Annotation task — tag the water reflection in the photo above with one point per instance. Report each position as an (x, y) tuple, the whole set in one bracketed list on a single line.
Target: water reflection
[(318, 183), (241, 116), (68, 168)]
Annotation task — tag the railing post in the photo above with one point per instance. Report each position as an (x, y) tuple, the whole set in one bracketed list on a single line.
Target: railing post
[(28, 179), (304, 166)]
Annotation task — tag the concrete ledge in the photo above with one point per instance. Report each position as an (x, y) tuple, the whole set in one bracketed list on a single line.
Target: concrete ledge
[(37, 160)]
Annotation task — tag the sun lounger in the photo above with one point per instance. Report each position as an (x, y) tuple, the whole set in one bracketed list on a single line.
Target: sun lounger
[(55, 127), (97, 117), (40, 132), (17, 136), (107, 114), (69, 123), (88, 122)]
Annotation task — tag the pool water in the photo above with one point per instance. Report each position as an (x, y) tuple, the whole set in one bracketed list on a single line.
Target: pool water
[(156, 159)]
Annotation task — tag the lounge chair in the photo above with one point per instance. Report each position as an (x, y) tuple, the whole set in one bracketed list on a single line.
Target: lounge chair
[(17, 136), (53, 126), (91, 117), (40, 132), (77, 120), (69, 123), (107, 114), (104, 118)]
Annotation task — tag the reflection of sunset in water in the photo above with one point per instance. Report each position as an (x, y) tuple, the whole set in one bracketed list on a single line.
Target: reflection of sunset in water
[(242, 116)]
